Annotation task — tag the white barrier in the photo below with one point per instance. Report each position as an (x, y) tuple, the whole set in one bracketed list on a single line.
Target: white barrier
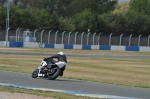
[(77, 46), (3, 44), (118, 48), (93, 47), (59, 46), (144, 49), (31, 44)]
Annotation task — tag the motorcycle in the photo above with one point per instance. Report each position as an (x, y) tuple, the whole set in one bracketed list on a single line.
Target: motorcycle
[(49, 69)]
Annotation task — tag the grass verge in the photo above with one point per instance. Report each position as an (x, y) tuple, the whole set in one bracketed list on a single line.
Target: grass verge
[(75, 51), (42, 93), (129, 72)]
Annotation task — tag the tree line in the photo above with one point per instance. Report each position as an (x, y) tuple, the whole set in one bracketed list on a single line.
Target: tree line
[(106, 16)]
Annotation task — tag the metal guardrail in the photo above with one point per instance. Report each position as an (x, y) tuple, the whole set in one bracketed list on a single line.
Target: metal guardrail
[(81, 38)]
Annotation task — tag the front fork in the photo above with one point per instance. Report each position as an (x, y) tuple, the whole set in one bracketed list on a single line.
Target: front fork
[(40, 74)]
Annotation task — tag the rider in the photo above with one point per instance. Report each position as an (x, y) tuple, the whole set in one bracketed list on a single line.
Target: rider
[(61, 57)]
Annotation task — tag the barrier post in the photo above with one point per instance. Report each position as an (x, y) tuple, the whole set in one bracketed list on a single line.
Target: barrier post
[(120, 39), (139, 40), (69, 37), (42, 35), (130, 39), (88, 38), (56, 37), (110, 38), (49, 36), (63, 37), (16, 34), (75, 38), (99, 38), (82, 37), (93, 37), (34, 33)]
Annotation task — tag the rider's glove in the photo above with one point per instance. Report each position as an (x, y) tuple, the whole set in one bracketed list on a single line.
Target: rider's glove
[(50, 58), (45, 59)]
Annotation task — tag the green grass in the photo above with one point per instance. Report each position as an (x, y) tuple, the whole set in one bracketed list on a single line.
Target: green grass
[(42, 93), (127, 72), (76, 51)]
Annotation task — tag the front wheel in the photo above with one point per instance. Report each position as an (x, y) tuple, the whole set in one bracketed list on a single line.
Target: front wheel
[(54, 73), (35, 73)]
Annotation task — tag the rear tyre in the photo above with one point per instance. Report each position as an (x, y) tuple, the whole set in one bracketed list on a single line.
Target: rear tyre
[(56, 72), (35, 73)]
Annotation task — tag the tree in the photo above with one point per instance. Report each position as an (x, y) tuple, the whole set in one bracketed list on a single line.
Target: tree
[(142, 6), (129, 23), (121, 9), (49, 5), (28, 19), (136, 23), (102, 6), (76, 6), (110, 23), (2, 2), (2, 17), (15, 2), (84, 20), (63, 8), (66, 24)]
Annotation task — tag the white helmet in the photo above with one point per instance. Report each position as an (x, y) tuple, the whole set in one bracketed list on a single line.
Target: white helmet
[(61, 53)]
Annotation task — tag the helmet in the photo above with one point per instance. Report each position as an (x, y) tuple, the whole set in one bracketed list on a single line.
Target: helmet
[(61, 53)]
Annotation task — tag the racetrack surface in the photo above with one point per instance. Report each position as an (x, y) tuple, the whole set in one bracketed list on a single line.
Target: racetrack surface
[(81, 55), (75, 86)]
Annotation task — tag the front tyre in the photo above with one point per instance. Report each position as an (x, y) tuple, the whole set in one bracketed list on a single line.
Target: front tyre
[(35, 73), (54, 73)]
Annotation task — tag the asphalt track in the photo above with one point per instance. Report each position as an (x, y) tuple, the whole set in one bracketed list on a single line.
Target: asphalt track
[(74, 86), (81, 55)]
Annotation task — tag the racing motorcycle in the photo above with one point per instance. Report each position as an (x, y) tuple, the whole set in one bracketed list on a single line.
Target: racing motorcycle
[(50, 69)]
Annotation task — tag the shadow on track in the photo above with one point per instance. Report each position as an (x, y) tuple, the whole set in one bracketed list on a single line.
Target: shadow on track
[(59, 79)]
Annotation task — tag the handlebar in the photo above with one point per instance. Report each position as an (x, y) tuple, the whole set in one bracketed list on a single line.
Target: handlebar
[(49, 59)]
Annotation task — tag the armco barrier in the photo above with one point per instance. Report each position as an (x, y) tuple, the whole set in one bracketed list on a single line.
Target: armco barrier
[(68, 46), (105, 47), (15, 44), (77, 46), (31, 45), (49, 46), (118, 48), (12, 44), (3, 43), (132, 48), (144, 49), (59, 46), (95, 47), (86, 47)]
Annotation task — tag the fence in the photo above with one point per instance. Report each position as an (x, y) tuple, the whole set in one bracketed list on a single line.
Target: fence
[(76, 38)]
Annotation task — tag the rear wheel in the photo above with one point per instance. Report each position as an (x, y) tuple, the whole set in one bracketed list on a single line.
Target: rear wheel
[(54, 73), (35, 73)]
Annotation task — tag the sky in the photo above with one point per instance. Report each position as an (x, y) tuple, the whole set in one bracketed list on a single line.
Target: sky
[(120, 1)]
